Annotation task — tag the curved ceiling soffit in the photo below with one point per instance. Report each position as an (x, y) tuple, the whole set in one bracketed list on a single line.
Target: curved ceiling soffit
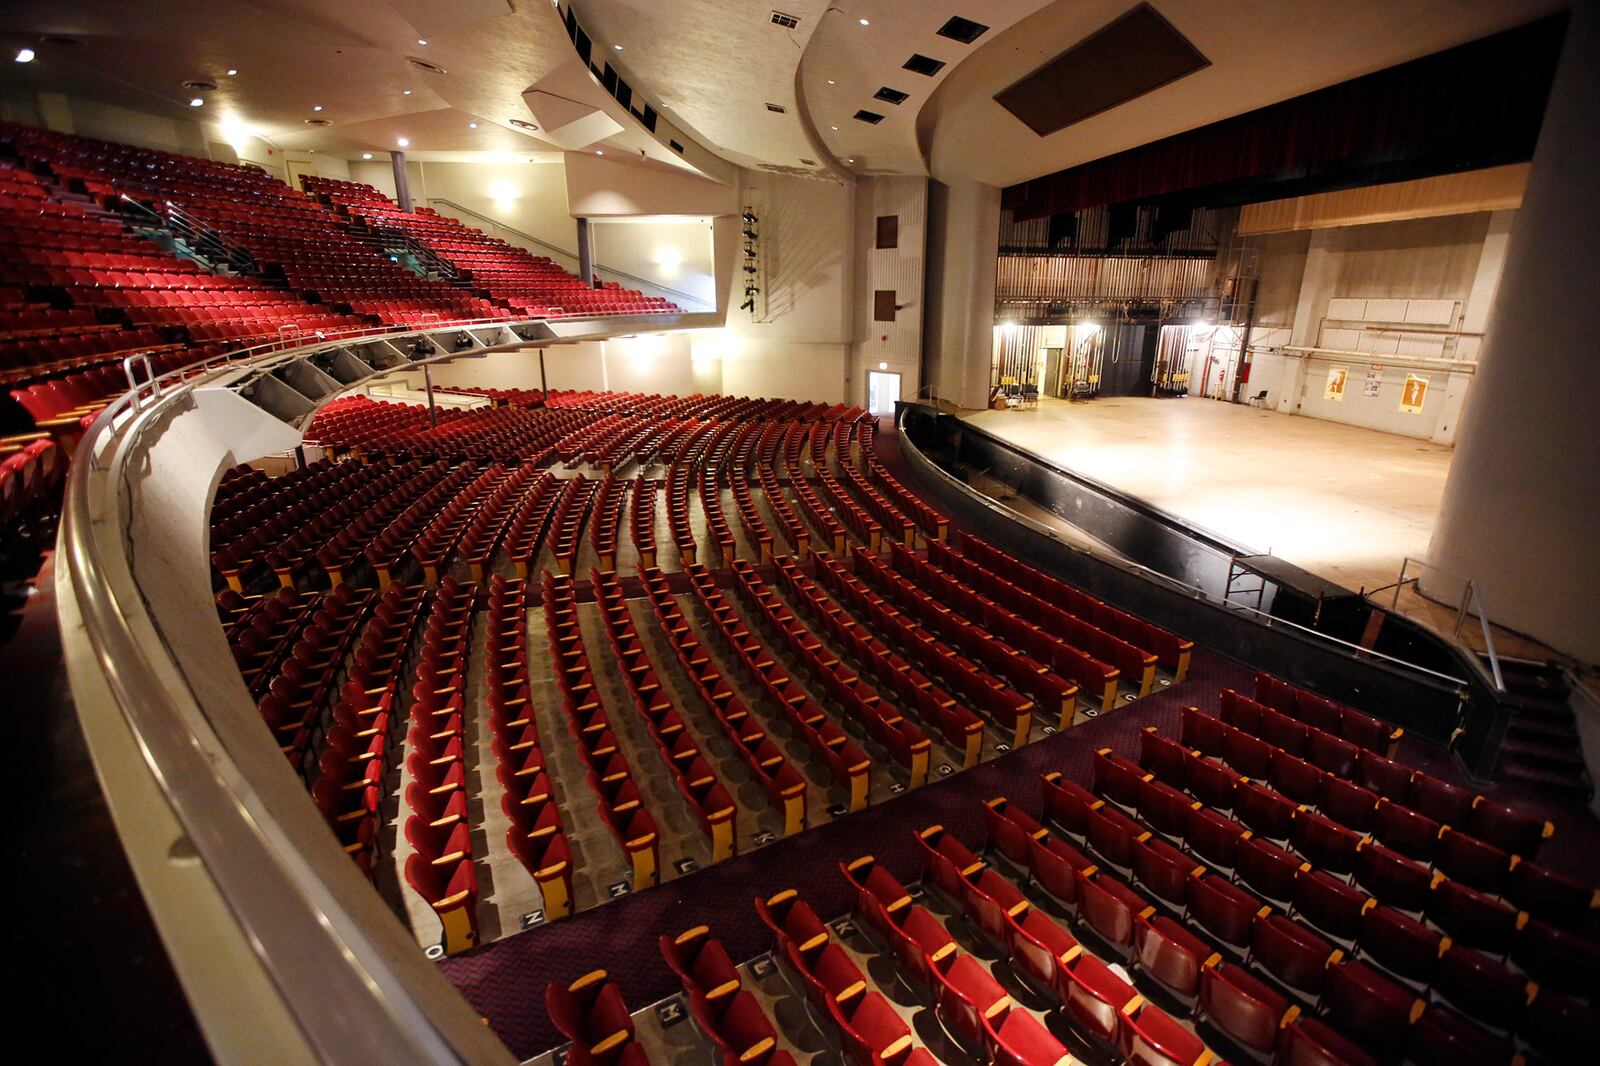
[(836, 167), (1260, 52)]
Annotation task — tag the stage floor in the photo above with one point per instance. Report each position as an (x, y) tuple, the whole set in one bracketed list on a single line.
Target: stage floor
[(1342, 502)]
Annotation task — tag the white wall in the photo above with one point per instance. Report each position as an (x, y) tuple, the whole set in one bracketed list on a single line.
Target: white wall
[(658, 362), (1308, 294), (676, 255), (894, 347), (528, 197)]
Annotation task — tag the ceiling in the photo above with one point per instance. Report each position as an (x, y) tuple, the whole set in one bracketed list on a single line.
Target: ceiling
[(709, 66)]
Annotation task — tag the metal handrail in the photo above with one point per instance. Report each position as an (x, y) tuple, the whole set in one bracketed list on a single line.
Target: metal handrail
[(1471, 592), (1170, 582), (361, 1009), (573, 256)]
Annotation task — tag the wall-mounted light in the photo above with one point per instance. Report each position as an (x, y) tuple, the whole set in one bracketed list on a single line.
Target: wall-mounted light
[(232, 72), (366, 155), (24, 55), (403, 142), (197, 102)]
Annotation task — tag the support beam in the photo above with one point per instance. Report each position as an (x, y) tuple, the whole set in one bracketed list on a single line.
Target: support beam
[(402, 187), (586, 252)]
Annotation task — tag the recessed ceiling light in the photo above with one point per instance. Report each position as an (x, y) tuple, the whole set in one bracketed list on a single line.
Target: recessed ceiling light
[(232, 72), (197, 102), (406, 92), (597, 151), (24, 55), (830, 81), (851, 160), (618, 47), (472, 125), (421, 41), (366, 155), (317, 107), (403, 142), (864, 22), (833, 127)]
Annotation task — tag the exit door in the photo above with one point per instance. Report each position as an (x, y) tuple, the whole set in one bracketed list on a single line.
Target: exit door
[(882, 392)]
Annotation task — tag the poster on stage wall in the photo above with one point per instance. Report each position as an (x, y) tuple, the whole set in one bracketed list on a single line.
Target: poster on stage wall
[(1415, 392), (1374, 382), (1335, 387)]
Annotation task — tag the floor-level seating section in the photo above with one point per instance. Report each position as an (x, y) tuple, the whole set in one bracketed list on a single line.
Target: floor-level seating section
[(724, 1012), (696, 779), (618, 798), (1018, 683), (536, 834), (914, 691), (907, 746), (485, 535), (1279, 907), (32, 474), (441, 867), (1010, 712), (642, 521), (1070, 648), (1042, 599), (848, 766), (566, 524), (533, 285)]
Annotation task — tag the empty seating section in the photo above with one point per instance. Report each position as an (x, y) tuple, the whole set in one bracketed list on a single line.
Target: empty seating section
[(532, 285), (618, 797), (1267, 883), (680, 752)]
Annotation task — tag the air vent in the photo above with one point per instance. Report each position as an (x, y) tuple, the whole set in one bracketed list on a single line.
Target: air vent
[(201, 86), (869, 117), (964, 30), (809, 162), (523, 124), (777, 109), (788, 22), (924, 65), (423, 64), (318, 122), (893, 96), (675, 146)]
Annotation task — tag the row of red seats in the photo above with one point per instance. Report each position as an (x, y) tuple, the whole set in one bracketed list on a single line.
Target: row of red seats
[(933, 524), (642, 521), (605, 528), (537, 833), (697, 782), (301, 681), (1367, 999), (847, 764), (389, 553), (619, 799), (566, 524), (525, 535), (755, 527), (678, 476), (434, 548), (485, 533), (905, 743), (829, 529), (1011, 712), (441, 867), (873, 1032), (933, 706), (785, 788), (1071, 648), (590, 1013), (727, 1014), (980, 654), (349, 780), (721, 539), (795, 533)]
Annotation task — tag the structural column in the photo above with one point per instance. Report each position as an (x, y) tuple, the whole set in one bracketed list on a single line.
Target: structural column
[(586, 252), (963, 255), (402, 187), (1521, 509)]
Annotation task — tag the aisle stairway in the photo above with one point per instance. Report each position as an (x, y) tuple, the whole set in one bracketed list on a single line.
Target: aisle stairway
[(1541, 748)]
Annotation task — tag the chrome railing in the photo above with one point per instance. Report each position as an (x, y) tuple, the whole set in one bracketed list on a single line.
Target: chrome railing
[(1471, 597), (355, 991)]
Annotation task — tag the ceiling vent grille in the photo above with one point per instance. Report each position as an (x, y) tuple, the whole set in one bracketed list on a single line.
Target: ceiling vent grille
[(924, 65), (892, 96), (870, 117), (201, 86), (777, 109), (788, 22), (319, 122), (522, 124), (423, 64), (964, 30)]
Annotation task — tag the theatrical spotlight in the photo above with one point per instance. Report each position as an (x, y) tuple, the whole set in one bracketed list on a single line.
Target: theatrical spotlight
[(749, 218)]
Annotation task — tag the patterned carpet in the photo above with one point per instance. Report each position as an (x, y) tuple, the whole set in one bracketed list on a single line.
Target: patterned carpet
[(505, 981)]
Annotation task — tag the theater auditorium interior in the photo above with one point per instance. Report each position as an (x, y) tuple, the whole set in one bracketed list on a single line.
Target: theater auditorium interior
[(873, 533)]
